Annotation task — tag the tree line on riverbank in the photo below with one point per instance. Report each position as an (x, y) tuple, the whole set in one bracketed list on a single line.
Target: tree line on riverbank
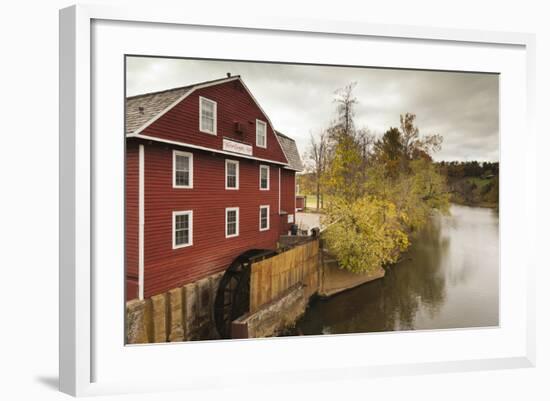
[(374, 191), (472, 183)]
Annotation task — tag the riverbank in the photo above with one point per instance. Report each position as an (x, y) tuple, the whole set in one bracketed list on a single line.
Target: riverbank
[(475, 191), (485, 205)]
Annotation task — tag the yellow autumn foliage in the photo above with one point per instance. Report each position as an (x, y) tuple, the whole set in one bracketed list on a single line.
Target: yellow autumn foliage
[(365, 234)]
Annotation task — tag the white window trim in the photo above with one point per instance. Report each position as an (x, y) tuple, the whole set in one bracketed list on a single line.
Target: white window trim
[(260, 214), (201, 129), (180, 213), (260, 122), (176, 153), (260, 180), (228, 161), (279, 189), (141, 223), (228, 209)]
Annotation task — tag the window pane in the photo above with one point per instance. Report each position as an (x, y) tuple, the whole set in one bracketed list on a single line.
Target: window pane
[(182, 221), (231, 168), (231, 218), (182, 178), (231, 177), (182, 229), (207, 108), (260, 133), (231, 181), (207, 116), (182, 163), (263, 177), (263, 217), (231, 228), (182, 237), (207, 123), (183, 170)]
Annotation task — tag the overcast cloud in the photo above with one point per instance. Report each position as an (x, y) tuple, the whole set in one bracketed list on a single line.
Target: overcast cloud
[(462, 107)]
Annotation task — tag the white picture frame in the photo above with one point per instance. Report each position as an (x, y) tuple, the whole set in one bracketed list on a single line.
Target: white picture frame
[(89, 354)]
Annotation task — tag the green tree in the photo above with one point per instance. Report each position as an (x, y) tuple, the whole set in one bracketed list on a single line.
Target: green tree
[(343, 178), (389, 151)]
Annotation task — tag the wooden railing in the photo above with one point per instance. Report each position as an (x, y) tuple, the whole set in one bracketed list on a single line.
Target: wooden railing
[(271, 277)]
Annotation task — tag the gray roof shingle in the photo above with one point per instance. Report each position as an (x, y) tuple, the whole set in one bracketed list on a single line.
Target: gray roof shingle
[(291, 151), (143, 108)]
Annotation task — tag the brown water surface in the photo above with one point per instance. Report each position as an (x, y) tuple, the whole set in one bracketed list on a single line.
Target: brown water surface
[(449, 278)]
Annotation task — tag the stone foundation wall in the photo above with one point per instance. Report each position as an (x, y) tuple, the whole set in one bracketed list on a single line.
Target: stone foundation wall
[(181, 314)]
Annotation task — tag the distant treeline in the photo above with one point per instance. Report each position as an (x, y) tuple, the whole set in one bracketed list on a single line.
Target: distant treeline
[(456, 169), (472, 183)]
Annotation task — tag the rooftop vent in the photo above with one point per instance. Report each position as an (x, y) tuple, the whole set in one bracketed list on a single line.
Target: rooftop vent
[(228, 74)]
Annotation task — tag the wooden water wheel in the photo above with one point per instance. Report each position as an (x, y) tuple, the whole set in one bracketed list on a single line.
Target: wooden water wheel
[(233, 295)]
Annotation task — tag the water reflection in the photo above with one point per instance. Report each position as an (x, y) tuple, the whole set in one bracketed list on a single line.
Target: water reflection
[(448, 279)]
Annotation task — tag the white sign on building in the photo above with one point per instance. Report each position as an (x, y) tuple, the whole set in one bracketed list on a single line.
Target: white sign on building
[(237, 147)]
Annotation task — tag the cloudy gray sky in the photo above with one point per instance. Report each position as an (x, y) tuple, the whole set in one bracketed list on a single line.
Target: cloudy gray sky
[(462, 107)]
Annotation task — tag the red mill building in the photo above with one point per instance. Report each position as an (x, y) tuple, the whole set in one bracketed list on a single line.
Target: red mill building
[(207, 178)]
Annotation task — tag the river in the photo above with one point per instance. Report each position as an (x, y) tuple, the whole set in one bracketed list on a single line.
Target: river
[(449, 278)]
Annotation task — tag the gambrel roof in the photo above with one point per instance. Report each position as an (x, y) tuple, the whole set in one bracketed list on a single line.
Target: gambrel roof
[(291, 151), (143, 110)]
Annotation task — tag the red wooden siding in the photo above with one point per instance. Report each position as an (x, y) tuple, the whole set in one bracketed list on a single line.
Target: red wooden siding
[(300, 202), (181, 123), (287, 197), (211, 252), (131, 215)]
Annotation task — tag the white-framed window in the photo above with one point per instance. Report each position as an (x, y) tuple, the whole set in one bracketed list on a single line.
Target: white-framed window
[(264, 177), (182, 229), (182, 169), (261, 134), (231, 174), (264, 217), (231, 222), (208, 120)]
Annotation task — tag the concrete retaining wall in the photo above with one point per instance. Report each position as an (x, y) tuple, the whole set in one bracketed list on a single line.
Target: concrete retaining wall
[(333, 279), (181, 314), (272, 318)]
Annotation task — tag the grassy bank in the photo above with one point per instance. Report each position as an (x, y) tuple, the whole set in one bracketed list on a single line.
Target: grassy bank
[(475, 191), (311, 204)]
